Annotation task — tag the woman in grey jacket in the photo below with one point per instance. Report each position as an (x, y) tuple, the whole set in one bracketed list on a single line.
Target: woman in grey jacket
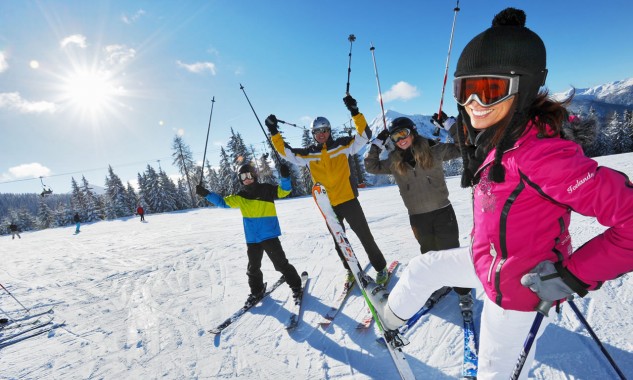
[(416, 165)]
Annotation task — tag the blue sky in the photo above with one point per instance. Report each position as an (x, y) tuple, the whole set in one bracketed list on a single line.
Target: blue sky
[(87, 84)]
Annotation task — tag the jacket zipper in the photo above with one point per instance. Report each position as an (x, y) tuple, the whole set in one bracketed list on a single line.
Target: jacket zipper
[(493, 253)]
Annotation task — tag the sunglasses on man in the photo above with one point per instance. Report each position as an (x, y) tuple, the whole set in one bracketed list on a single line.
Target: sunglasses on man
[(320, 130)]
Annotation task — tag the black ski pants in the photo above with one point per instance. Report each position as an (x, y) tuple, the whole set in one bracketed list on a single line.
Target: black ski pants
[(276, 254), (352, 212), (436, 231)]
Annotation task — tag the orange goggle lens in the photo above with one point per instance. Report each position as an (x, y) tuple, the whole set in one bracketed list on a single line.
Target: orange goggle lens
[(486, 90)]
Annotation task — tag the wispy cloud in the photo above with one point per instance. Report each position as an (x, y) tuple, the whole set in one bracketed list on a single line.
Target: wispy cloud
[(133, 18), (32, 170), (4, 65), (13, 100), (401, 91), (118, 54), (75, 39), (198, 67)]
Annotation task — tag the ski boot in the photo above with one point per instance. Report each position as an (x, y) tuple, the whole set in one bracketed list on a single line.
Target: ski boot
[(253, 298), (296, 295), (382, 276), (378, 297), (466, 304)]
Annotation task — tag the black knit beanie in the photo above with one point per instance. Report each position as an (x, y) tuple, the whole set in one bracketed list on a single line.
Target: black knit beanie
[(506, 48)]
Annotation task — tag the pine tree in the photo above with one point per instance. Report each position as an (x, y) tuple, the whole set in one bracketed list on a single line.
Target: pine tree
[(152, 192), (183, 160), (142, 192), (237, 150), (132, 199), (228, 179), (93, 210), (304, 175), (116, 196), (45, 217), (265, 171), (169, 192), (77, 201)]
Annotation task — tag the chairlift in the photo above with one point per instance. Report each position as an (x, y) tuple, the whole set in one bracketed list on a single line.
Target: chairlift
[(45, 191)]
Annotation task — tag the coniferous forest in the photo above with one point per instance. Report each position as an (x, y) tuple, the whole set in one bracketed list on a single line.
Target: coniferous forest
[(156, 192)]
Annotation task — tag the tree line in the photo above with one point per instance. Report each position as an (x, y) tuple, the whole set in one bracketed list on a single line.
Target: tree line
[(158, 193)]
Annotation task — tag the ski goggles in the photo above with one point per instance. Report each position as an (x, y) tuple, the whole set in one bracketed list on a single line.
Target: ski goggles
[(400, 134), (487, 90), (320, 130), (245, 176)]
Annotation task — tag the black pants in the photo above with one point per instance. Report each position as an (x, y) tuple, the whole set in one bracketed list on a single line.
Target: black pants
[(276, 254), (351, 212), (436, 231), (142, 217)]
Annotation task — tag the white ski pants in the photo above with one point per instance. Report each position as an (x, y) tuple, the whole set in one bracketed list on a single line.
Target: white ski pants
[(502, 332)]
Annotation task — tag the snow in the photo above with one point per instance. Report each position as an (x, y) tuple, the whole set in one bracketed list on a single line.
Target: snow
[(138, 298)]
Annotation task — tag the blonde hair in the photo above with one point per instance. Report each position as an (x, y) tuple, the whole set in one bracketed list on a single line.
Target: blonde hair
[(421, 151)]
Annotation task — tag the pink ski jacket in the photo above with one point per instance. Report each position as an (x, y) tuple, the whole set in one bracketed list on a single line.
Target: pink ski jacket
[(525, 220)]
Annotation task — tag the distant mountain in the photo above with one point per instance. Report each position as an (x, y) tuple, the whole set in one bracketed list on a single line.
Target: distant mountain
[(604, 99)]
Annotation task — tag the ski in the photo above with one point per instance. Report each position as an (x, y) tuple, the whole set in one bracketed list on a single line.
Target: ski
[(293, 321), (369, 318), (43, 328), (241, 311), (11, 334), (30, 316), (12, 326), (338, 303), (428, 306), (393, 339), (471, 346)]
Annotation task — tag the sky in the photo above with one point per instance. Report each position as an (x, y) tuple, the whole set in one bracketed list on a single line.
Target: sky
[(88, 84), (139, 306)]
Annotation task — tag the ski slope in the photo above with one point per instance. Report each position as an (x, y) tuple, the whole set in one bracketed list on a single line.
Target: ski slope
[(138, 299)]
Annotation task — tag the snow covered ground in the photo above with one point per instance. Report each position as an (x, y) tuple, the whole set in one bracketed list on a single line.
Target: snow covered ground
[(138, 298)]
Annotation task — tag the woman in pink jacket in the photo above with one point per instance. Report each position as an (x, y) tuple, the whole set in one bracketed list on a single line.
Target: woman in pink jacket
[(526, 181)]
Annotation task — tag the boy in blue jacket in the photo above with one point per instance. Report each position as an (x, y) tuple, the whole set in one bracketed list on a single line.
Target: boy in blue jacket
[(256, 201)]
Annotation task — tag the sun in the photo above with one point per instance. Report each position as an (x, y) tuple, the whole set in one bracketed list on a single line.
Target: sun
[(90, 92)]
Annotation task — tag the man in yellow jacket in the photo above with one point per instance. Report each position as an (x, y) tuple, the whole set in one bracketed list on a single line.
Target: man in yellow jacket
[(328, 163)]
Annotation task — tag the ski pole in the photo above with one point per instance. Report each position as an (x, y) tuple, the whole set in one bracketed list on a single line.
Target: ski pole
[(351, 40), (16, 300), (290, 124), (541, 311), (595, 337), (384, 120), (262, 127), (436, 132), (204, 156)]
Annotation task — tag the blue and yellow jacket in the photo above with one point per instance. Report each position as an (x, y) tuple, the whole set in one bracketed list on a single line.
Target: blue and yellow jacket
[(257, 204), (328, 163)]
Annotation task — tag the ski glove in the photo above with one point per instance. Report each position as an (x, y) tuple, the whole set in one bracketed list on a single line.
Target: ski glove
[(351, 104), (379, 297), (284, 171), (201, 191), (552, 282), (381, 138), (271, 123), (442, 121)]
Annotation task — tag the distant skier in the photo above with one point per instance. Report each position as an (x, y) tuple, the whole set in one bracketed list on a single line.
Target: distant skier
[(14, 231), (328, 161), (256, 201), (77, 221), (141, 212), (416, 164), (526, 180)]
